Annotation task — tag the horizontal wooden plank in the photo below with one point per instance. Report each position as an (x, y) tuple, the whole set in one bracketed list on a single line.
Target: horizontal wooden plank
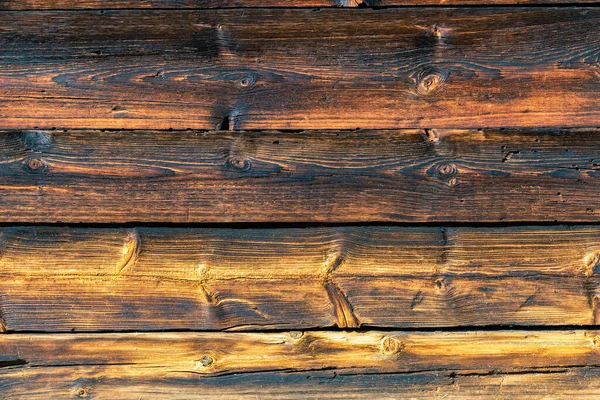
[(103, 382), (253, 68), (64, 279), (176, 4), (368, 176), (290, 365)]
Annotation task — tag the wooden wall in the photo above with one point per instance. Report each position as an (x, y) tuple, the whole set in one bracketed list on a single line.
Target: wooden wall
[(336, 199)]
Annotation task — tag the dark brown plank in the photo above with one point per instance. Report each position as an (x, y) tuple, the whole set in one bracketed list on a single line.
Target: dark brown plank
[(291, 365), (298, 69), (385, 176), (175, 4), (63, 279)]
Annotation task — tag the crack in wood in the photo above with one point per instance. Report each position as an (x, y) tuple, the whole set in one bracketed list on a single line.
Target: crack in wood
[(13, 363)]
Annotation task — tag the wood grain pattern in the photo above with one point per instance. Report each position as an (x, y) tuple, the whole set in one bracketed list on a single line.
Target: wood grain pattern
[(299, 69), (384, 176), (176, 4), (63, 279), (288, 365), (101, 382)]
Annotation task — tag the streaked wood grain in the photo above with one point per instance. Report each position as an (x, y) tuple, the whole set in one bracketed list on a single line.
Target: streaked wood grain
[(299, 69), (66, 279), (105, 382), (290, 364), (408, 176), (175, 4)]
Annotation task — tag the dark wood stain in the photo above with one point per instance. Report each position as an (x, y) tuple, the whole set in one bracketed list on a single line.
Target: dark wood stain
[(391, 68), (309, 176)]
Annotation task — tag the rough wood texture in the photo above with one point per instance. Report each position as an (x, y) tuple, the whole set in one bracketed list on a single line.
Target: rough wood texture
[(383, 176), (111, 383), (105, 4), (61, 279), (297, 68), (374, 364)]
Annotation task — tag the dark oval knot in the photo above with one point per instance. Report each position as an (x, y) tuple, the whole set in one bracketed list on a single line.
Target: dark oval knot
[(430, 79), (239, 163), (35, 165), (247, 81), (447, 170)]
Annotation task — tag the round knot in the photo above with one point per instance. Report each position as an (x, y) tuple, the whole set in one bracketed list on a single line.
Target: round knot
[(35, 165), (82, 392), (247, 81), (391, 346), (206, 361), (430, 79), (296, 334), (446, 171), (441, 283), (239, 163)]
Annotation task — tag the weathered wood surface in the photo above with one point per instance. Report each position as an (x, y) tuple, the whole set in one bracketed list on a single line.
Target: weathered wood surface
[(111, 383), (290, 364), (383, 176), (298, 69), (63, 279), (175, 4)]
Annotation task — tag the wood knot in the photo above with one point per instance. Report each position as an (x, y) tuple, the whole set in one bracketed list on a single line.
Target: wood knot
[(440, 32), (441, 283), (82, 392), (35, 165), (596, 341), (239, 163), (591, 264), (130, 252), (34, 140), (206, 361), (430, 79), (431, 135), (447, 170), (296, 334), (247, 81), (391, 347)]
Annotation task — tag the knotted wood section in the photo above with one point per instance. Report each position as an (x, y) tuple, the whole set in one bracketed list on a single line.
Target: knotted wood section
[(289, 364), (286, 278), (270, 68), (407, 176)]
